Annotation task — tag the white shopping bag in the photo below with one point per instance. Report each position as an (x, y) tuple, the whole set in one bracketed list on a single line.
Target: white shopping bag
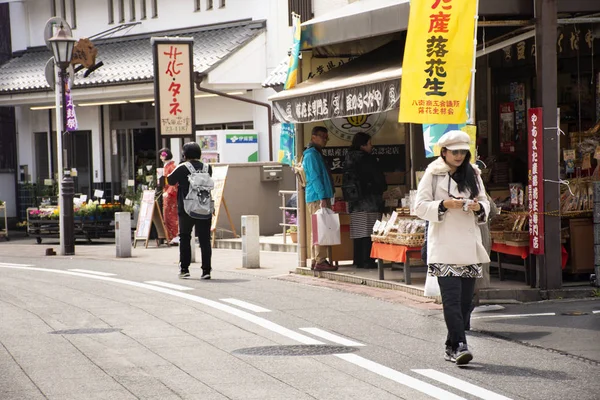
[(326, 228), (432, 287)]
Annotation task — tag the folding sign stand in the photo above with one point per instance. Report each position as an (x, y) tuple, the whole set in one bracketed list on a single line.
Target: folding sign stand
[(150, 215)]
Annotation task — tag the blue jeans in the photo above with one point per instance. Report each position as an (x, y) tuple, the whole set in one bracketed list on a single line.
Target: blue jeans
[(457, 297)]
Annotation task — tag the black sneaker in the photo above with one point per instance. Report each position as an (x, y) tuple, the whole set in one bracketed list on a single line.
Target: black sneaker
[(205, 275), (184, 273), (448, 354), (462, 355)]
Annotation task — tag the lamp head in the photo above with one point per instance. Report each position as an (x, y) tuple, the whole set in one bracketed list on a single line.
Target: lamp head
[(62, 48)]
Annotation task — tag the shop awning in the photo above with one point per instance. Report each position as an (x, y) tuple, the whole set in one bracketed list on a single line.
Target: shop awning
[(366, 85)]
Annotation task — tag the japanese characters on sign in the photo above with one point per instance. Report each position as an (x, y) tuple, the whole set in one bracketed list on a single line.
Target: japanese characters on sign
[(173, 86), (536, 181), (360, 100), (71, 117), (436, 73)]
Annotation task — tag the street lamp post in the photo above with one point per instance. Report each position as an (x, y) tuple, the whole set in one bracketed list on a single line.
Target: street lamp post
[(62, 48)]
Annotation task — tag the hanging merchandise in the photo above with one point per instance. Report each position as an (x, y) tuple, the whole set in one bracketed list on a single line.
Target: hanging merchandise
[(507, 127), (569, 157)]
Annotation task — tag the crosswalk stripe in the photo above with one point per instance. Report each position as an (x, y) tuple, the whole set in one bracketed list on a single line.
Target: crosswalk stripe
[(331, 337), (399, 377), (169, 285), (515, 315), (246, 305), (460, 384), (87, 271)]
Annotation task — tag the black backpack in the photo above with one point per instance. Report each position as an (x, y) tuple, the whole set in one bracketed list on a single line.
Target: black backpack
[(351, 189)]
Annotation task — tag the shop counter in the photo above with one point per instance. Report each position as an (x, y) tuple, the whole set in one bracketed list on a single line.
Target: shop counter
[(396, 254)]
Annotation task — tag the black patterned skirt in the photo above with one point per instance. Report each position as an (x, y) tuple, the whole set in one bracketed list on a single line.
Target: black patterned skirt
[(463, 271)]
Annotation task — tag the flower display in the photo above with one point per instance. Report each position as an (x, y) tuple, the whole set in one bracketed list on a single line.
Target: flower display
[(88, 211)]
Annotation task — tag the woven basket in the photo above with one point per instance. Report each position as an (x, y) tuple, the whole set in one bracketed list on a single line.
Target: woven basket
[(516, 236), (408, 239), (497, 235)]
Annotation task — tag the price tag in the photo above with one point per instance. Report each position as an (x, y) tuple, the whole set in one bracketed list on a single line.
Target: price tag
[(83, 198), (117, 197), (130, 182), (98, 193), (140, 171), (102, 201), (127, 202)]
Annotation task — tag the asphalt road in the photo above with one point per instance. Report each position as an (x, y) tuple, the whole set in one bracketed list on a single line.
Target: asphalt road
[(114, 329)]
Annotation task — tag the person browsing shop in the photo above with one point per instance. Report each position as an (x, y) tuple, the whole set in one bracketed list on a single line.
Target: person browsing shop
[(319, 189), (451, 196), (191, 154)]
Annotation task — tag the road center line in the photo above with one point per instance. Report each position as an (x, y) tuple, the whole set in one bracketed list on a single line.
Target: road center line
[(15, 265), (246, 305), (399, 377), (515, 315), (169, 285), (331, 337), (87, 271), (596, 312), (460, 384)]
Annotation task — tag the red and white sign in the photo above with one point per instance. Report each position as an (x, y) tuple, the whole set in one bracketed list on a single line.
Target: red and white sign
[(536, 180)]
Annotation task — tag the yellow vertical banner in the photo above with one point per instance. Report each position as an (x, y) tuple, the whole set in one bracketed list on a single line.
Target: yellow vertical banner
[(438, 58)]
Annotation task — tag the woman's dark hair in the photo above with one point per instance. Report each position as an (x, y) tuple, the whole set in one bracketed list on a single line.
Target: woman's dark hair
[(360, 139), (168, 154), (465, 176), (192, 151)]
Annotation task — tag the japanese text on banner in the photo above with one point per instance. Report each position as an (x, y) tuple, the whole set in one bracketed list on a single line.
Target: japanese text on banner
[(536, 181), (436, 72)]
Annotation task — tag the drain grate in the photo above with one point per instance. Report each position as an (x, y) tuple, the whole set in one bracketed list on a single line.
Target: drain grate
[(295, 350), (85, 331)]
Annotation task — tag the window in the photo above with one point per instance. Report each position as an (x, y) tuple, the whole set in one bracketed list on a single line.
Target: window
[(132, 10), (222, 3), (302, 8), (209, 4), (154, 8), (121, 11), (63, 9), (111, 12), (53, 8), (143, 9), (73, 15), (197, 5), (8, 140)]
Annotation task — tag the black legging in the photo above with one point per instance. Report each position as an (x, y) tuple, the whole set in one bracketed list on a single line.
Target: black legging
[(186, 223)]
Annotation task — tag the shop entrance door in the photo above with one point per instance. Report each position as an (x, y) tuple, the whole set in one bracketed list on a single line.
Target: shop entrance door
[(81, 159), (133, 151)]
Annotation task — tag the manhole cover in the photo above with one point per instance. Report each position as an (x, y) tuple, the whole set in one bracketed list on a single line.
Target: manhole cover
[(574, 313), (295, 350), (85, 331)]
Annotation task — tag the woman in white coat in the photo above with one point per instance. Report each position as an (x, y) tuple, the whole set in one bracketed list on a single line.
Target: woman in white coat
[(451, 196)]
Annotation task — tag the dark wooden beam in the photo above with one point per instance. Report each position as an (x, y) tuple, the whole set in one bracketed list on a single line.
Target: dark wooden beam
[(549, 264)]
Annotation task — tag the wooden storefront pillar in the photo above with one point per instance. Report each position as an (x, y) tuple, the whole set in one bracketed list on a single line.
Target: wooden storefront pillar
[(549, 264)]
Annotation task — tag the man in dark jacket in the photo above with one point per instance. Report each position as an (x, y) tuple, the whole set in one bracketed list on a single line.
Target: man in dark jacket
[(191, 154)]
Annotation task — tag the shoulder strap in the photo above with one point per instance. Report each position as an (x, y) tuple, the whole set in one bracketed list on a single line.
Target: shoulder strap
[(190, 167), (204, 168)]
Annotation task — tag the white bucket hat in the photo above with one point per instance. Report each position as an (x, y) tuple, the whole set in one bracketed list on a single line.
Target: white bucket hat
[(455, 140)]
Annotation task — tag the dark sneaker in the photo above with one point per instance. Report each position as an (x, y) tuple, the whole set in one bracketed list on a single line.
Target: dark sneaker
[(184, 273), (205, 275), (462, 355), (448, 354), (325, 266)]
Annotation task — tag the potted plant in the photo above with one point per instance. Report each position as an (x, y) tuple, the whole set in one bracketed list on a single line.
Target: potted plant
[(293, 232)]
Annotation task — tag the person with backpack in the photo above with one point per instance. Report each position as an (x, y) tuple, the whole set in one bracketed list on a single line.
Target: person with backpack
[(195, 207), (451, 197), (363, 184), (319, 189)]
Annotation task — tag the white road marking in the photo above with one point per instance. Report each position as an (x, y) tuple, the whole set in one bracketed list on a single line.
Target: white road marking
[(460, 384), (87, 271), (515, 315), (246, 305), (15, 265), (595, 311), (264, 323), (331, 337), (169, 285), (399, 377)]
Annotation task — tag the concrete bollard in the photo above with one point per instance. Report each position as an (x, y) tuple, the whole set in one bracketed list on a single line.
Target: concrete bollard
[(250, 241), (123, 234)]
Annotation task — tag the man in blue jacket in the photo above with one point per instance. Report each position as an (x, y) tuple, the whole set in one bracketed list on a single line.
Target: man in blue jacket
[(319, 189)]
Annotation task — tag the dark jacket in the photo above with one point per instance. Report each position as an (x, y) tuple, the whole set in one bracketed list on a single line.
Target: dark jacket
[(371, 180), (180, 176)]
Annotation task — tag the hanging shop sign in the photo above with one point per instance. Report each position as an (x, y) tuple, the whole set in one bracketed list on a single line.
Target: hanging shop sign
[(358, 100), (536, 181), (438, 59), (173, 86)]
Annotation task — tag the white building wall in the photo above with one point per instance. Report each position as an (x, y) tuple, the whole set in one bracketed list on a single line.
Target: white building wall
[(216, 110)]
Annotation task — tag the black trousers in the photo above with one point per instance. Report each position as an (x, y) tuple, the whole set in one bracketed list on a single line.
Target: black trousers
[(186, 224), (457, 296), (362, 252)]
